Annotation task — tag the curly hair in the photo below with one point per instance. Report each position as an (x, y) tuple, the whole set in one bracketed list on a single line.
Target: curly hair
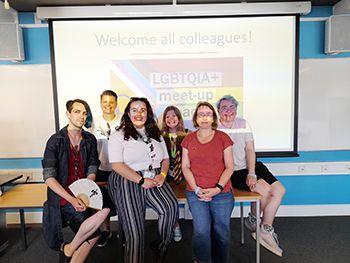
[(151, 127)]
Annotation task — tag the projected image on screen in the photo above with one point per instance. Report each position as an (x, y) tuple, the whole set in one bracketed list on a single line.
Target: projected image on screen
[(180, 82), (180, 61)]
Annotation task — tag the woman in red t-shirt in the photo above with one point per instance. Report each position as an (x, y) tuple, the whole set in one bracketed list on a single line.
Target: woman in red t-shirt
[(207, 165)]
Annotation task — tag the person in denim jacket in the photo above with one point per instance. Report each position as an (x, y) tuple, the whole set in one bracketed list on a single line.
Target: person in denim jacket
[(70, 154)]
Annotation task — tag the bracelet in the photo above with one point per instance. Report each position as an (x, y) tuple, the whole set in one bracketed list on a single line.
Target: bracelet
[(220, 187), (142, 180), (164, 174), (252, 174), (197, 190)]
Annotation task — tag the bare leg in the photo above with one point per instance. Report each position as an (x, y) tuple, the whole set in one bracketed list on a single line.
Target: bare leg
[(87, 228), (274, 200), (83, 251), (264, 189)]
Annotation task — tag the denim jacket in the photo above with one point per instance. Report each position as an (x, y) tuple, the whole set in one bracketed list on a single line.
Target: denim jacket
[(55, 164)]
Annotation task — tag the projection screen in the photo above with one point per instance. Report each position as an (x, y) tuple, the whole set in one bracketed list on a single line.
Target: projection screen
[(180, 61)]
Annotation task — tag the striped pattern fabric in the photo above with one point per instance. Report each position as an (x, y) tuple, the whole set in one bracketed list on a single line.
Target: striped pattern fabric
[(131, 201), (178, 175)]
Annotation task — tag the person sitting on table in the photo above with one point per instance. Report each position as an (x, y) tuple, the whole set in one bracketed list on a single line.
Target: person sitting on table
[(173, 132), (70, 154), (140, 162), (250, 175), (207, 165), (102, 128)]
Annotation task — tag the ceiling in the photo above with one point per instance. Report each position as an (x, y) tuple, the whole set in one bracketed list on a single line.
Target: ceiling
[(30, 5)]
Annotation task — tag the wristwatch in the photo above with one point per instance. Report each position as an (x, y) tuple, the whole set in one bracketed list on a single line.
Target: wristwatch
[(142, 180), (220, 187)]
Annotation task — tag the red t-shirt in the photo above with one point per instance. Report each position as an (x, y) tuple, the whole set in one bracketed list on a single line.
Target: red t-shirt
[(207, 160), (75, 171)]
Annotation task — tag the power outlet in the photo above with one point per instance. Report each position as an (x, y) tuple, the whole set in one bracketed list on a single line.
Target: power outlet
[(347, 168)]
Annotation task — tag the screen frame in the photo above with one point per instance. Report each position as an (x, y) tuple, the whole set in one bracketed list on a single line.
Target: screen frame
[(259, 154)]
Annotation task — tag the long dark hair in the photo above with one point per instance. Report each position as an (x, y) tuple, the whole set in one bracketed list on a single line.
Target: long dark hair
[(151, 127)]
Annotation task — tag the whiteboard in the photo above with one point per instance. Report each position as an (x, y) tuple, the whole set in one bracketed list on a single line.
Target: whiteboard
[(324, 104), (26, 110)]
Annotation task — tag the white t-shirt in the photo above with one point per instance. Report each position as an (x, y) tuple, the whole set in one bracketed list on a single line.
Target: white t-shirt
[(102, 132), (136, 153), (240, 133)]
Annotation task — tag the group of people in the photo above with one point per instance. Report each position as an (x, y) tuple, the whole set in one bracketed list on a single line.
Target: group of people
[(141, 163)]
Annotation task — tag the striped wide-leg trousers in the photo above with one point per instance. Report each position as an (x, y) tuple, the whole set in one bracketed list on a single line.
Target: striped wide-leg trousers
[(131, 201)]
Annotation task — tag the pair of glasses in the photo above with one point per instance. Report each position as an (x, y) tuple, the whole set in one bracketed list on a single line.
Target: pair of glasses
[(142, 111), (228, 108), (202, 115)]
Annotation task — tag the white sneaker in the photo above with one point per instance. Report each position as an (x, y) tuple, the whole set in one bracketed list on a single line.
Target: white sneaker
[(269, 239), (250, 222), (177, 234)]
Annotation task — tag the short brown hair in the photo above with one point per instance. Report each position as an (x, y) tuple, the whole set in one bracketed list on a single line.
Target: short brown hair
[(109, 93), (214, 125)]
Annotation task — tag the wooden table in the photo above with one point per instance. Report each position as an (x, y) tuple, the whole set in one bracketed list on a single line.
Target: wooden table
[(6, 179), (240, 196), (23, 197)]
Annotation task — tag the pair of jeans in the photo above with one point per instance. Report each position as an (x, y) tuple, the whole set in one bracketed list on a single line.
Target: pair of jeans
[(211, 238)]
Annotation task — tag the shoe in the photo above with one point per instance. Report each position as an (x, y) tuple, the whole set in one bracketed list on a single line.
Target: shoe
[(63, 258), (177, 234), (103, 240), (160, 252), (250, 222), (160, 255), (269, 239)]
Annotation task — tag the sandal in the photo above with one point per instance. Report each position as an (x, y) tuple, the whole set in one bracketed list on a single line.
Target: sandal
[(63, 258)]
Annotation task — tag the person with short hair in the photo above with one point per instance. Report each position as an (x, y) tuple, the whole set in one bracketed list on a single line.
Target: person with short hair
[(250, 175), (207, 166), (70, 155), (140, 164), (103, 126)]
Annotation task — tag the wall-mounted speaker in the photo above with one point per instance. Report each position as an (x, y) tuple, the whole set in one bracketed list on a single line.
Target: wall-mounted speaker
[(342, 7), (11, 42), (337, 34)]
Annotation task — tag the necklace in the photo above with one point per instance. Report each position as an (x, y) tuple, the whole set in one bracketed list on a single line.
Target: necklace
[(75, 139), (172, 137)]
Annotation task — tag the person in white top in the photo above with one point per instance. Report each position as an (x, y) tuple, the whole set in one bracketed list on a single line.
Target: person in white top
[(140, 163), (102, 128), (251, 175)]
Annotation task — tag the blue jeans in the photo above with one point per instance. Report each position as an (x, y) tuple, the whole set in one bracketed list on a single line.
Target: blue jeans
[(211, 227)]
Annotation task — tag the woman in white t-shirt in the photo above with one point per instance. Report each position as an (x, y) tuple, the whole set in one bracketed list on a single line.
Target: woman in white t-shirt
[(140, 163)]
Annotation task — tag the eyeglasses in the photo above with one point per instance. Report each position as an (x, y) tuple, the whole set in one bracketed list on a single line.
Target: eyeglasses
[(228, 108), (142, 111), (202, 115)]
